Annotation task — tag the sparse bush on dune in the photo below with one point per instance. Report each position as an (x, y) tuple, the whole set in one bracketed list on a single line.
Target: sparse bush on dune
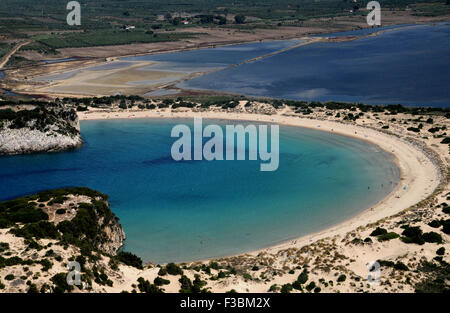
[(130, 259), (388, 236), (341, 278), (161, 281), (303, 277), (378, 231), (286, 288), (144, 286), (432, 237), (440, 251), (60, 283), (173, 269)]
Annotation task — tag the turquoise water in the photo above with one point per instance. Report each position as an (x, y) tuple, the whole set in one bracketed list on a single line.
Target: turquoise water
[(181, 211), (408, 65)]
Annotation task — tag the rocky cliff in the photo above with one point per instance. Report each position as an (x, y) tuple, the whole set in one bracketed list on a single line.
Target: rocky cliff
[(38, 127), (40, 234), (77, 216)]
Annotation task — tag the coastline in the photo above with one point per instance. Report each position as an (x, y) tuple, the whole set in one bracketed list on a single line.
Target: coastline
[(51, 88), (418, 173)]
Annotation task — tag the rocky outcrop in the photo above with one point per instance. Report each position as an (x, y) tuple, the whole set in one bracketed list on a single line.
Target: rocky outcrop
[(78, 216), (40, 234), (38, 128), (116, 237)]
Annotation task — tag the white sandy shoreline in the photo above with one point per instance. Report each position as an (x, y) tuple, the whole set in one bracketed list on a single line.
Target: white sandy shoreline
[(418, 172)]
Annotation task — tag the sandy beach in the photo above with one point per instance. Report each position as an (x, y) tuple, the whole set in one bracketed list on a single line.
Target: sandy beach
[(336, 259), (337, 250), (418, 173)]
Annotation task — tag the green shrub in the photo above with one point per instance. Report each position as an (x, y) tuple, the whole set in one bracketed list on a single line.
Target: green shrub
[(401, 266), (341, 278), (173, 269), (274, 288), (9, 277), (386, 263), (61, 211), (33, 289), (130, 259), (412, 231), (388, 236), (198, 284), (286, 288), (145, 286), (437, 275), (60, 283), (434, 224), (440, 251), (186, 284), (4, 246), (214, 265), (416, 240), (311, 286), (162, 271), (303, 277), (161, 281), (446, 228), (378, 231), (247, 276), (432, 237), (15, 260), (221, 275), (101, 277), (46, 264), (297, 285), (39, 230), (20, 211), (413, 235)]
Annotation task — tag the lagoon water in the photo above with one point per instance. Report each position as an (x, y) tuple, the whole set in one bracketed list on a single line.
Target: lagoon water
[(406, 65), (182, 211), (204, 60)]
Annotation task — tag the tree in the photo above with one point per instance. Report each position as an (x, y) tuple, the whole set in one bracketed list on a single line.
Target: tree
[(239, 19), (130, 259), (176, 21), (123, 104), (221, 20)]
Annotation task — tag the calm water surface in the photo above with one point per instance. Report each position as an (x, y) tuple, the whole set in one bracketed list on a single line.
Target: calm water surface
[(403, 65), (181, 211)]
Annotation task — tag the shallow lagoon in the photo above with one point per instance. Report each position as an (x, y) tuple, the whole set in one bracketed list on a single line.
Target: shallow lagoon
[(402, 65)]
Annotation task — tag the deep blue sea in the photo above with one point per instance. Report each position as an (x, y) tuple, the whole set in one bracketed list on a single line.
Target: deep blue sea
[(407, 65), (182, 211)]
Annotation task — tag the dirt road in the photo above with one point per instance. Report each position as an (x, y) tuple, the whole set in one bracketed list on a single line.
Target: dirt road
[(11, 53)]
